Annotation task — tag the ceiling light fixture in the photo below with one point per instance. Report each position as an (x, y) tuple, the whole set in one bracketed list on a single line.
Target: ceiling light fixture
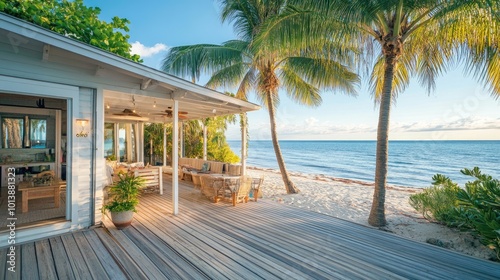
[(154, 104), (107, 106)]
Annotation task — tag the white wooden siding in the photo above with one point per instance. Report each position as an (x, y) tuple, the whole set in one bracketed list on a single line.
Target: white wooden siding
[(83, 164)]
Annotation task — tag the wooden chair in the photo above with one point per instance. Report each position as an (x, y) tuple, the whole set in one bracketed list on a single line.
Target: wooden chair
[(211, 187), (255, 188), (196, 180), (153, 180), (240, 194)]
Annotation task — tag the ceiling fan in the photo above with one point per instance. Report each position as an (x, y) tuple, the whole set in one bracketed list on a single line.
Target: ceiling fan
[(168, 113), (128, 113)]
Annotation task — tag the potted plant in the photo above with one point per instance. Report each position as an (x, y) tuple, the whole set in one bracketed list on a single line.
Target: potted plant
[(125, 197)]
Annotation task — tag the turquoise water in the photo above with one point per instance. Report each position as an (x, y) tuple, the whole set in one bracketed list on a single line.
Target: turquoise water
[(411, 163)]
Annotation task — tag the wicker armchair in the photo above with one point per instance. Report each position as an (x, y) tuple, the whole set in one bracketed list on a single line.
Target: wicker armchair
[(212, 187), (240, 193), (255, 188), (196, 179)]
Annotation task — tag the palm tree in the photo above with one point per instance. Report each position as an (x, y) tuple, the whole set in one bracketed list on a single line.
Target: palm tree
[(247, 64), (401, 38)]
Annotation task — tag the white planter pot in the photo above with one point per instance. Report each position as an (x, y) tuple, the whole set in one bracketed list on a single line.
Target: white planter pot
[(122, 220)]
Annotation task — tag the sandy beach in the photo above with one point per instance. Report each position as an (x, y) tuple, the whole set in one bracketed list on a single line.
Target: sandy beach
[(351, 200)]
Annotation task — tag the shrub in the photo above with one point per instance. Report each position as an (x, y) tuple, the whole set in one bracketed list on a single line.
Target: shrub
[(438, 202), (475, 207), (481, 200)]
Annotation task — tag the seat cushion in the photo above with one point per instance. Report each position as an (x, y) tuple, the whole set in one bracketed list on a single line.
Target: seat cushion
[(205, 167)]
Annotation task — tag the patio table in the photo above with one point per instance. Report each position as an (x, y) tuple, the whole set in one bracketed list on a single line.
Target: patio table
[(229, 183)]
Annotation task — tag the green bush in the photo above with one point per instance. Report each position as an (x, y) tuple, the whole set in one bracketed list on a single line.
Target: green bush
[(475, 207), (481, 200), (438, 202)]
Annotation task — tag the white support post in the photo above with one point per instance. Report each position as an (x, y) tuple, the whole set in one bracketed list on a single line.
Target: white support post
[(182, 139), (204, 142), (117, 142), (138, 150), (151, 161), (164, 145), (244, 145), (140, 143), (175, 159)]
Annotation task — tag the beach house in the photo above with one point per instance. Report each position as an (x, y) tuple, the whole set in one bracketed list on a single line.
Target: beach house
[(64, 107)]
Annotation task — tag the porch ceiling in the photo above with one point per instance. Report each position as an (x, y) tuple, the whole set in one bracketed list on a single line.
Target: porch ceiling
[(152, 107)]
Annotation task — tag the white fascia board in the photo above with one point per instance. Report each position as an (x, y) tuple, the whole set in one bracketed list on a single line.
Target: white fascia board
[(35, 32)]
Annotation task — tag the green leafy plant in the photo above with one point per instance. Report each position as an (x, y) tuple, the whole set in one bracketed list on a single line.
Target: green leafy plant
[(111, 157), (75, 20), (476, 207), (481, 201), (439, 201), (125, 194)]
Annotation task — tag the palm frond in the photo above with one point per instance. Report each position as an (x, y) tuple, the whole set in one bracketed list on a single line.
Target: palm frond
[(227, 77), (186, 61), (191, 61), (299, 90), (246, 84), (323, 73)]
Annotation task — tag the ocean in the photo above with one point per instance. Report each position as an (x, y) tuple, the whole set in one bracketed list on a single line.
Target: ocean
[(411, 163)]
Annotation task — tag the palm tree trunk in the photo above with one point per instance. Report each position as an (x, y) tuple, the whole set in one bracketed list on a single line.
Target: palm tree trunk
[(290, 187), (377, 213)]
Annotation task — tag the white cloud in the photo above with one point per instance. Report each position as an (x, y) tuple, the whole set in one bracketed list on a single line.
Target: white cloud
[(144, 51), (469, 123), (312, 128)]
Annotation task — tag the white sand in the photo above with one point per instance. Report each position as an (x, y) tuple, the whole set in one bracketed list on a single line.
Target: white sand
[(351, 200)]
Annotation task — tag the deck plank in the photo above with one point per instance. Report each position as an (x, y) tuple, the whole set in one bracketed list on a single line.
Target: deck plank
[(130, 268), (135, 252), (167, 260), (46, 268), (95, 268), (29, 257), (60, 256), (106, 260), (75, 257), (3, 263), (9, 275)]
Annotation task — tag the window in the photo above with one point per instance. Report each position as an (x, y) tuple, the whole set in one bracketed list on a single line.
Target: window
[(12, 133), (122, 142), (38, 133), (109, 139), (126, 142)]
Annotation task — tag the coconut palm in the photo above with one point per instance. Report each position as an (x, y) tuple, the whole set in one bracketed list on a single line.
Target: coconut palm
[(246, 65), (401, 39)]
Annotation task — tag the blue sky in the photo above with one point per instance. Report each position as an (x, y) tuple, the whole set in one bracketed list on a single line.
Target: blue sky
[(459, 108)]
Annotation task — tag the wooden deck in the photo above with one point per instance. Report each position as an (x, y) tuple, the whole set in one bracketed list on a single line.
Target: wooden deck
[(257, 240)]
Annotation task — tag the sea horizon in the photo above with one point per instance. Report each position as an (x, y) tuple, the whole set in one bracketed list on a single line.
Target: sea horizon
[(368, 140), (412, 163)]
